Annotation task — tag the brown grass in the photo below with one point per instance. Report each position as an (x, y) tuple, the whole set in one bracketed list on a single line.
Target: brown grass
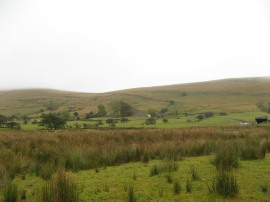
[(43, 152)]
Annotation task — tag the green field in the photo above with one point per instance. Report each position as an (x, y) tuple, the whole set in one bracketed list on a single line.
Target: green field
[(111, 183)]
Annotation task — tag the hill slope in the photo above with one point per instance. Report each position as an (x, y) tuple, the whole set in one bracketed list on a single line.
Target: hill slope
[(228, 95)]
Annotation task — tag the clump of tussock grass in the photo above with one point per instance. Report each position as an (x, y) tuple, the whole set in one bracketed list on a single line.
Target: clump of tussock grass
[(169, 178), (177, 187), (10, 193), (166, 166), (264, 187), (60, 189), (188, 186), (194, 173), (131, 194), (155, 170), (134, 175), (226, 157), (225, 184)]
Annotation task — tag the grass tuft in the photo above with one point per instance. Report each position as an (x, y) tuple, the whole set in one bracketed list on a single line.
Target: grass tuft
[(60, 189), (176, 187), (10, 193), (224, 184)]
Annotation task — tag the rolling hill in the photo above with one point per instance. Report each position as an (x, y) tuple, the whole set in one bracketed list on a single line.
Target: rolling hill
[(228, 95)]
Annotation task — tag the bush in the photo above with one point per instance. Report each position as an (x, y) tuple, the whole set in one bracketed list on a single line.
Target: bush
[(150, 121), (208, 114), (164, 120), (124, 120), (110, 121), (60, 189), (200, 117)]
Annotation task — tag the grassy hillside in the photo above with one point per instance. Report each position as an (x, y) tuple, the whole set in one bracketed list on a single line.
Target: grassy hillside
[(229, 95)]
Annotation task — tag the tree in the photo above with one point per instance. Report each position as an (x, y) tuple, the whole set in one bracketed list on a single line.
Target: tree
[(3, 120), (25, 119), (13, 125), (152, 112), (121, 108), (65, 115), (101, 110), (52, 122), (89, 115)]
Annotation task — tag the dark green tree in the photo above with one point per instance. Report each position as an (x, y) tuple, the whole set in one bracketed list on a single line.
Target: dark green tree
[(3, 120), (121, 108), (52, 121), (101, 110)]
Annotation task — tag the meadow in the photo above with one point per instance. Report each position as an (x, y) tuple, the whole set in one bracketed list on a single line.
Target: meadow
[(138, 165)]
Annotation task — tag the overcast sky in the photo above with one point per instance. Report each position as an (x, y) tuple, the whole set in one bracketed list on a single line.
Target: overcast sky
[(105, 45)]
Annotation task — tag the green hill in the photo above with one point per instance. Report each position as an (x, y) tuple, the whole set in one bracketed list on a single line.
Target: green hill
[(228, 95)]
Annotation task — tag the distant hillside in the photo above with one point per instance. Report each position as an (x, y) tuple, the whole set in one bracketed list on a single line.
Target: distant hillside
[(228, 95)]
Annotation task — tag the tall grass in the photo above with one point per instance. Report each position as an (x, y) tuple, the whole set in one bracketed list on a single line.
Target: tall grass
[(60, 189), (10, 193), (226, 157), (131, 194), (42, 152), (224, 184), (165, 166)]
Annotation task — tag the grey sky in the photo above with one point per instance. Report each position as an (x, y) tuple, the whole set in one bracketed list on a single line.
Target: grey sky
[(97, 46)]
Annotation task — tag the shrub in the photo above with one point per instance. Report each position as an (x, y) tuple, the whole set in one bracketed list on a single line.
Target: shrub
[(224, 184), (200, 117), (10, 193), (60, 189), (208, 114), (150, 121), (164, 120), (110, 121), (124, 120)]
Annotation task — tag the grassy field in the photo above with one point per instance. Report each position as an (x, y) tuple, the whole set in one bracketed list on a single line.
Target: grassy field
[(232, 119), (185, 159), (111, 183), (144, 164)]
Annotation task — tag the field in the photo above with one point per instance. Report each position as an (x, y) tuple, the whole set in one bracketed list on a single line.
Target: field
[(180, 157), (144, 164)]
